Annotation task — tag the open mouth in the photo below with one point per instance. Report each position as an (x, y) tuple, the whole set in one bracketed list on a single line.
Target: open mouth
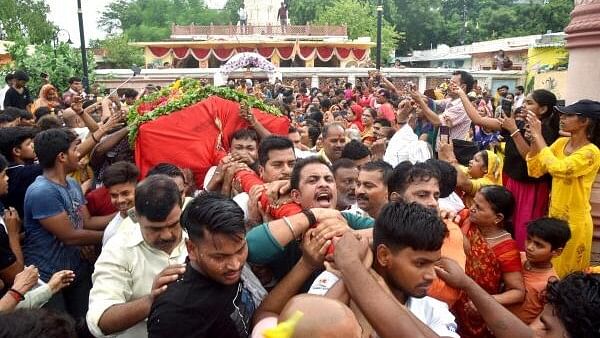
[(323, 199)]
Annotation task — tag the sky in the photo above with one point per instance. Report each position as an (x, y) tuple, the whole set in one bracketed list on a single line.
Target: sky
[(64, 14)]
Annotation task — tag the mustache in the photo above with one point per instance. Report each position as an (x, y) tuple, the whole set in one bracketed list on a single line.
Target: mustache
[(164, 243), (362, 196)]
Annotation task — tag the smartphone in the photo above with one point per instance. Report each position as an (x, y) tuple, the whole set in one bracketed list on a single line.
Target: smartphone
[(445, 133), (507, 107)]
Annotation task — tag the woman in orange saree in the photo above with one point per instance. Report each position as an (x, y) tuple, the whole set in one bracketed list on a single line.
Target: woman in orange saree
[(492, 258)]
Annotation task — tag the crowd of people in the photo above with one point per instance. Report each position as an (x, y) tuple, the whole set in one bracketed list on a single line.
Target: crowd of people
[(384, 212)]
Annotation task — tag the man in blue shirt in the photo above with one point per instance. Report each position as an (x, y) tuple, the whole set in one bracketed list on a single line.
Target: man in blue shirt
[(57, 222)]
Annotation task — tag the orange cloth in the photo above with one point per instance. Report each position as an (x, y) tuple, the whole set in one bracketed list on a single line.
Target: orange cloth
[(197, 137), (453, 247), (277, 209), (485, 265), (535, 284)]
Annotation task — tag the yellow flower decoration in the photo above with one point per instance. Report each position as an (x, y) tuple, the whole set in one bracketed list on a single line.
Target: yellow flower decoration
[(284, 329), (176, 85)]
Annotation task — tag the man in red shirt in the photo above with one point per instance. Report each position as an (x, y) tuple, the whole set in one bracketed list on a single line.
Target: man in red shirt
[(385, 110)]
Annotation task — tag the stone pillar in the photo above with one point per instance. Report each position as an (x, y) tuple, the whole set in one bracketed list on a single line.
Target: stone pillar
[(583, 43), (422, 85), (583, 81), (314, 81), (310, 63)]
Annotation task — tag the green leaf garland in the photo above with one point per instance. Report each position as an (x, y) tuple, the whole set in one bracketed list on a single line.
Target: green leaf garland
[(187, 92)]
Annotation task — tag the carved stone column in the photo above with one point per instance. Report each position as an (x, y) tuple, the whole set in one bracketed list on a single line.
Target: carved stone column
[(583, 81), (583, 43)]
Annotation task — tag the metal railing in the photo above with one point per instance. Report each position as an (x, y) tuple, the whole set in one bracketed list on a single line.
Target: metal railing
[(290, 30)]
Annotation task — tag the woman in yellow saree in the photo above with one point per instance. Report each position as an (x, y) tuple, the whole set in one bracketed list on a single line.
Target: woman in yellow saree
[(573, 163)]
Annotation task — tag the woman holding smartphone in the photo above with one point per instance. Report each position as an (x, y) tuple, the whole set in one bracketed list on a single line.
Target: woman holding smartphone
[(573, 163), (531, 193)]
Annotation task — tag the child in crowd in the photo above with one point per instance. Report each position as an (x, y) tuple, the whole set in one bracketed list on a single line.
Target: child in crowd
[(546, 238)]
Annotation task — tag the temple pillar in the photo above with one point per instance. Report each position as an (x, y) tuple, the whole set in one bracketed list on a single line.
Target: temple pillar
[(275, 59), (583, 43), (583, 82), (310, 62), (422, 85)]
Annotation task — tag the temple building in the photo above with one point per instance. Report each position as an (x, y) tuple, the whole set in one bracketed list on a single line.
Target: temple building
[(285, 46)]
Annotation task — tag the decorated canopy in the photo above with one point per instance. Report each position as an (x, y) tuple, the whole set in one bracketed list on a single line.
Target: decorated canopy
[(324, 53)]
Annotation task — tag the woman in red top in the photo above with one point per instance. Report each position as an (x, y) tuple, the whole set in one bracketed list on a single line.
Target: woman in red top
[(493, 259)]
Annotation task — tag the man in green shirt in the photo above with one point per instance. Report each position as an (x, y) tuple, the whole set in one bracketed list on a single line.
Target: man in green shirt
[(313, 187)]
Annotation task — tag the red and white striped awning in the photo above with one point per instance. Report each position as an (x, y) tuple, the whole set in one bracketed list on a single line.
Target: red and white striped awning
[(323, 53)]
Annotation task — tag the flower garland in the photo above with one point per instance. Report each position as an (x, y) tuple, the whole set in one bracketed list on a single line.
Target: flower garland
[(181, 94), (247, 60)]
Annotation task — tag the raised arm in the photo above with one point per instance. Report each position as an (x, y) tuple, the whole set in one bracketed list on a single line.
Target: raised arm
[(13, 227), (446, 153), (484, 121), (429, 114), (388, 317), (313, 255)]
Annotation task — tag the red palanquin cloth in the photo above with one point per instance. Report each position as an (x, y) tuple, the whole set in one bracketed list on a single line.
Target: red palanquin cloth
[(198, 136)]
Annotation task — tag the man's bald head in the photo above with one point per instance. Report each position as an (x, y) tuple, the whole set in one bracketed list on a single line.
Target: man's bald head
[(322, 317)]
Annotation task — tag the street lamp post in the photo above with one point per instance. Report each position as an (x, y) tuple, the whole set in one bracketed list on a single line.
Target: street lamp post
[(59, 36), (379, 23), (85, 80)]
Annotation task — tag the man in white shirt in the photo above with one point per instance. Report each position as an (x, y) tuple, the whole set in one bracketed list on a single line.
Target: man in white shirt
[(300, 149), (406, 146), (120, 179), (243, 149), (454, 116), (10, 81), (392, 296), (276, 159), (519, 97), (135, 266), (243, 18), (75, 89)]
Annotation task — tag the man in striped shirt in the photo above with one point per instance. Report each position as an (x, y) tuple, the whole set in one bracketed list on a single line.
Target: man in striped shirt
[(454, 116)]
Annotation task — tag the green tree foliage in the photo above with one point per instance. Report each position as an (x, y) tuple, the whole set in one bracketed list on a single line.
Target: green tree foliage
[(430, 22), (118, 52), (361, 20), (302, 12), (231, 10), (26, 19), (151, 20), (60, 63)]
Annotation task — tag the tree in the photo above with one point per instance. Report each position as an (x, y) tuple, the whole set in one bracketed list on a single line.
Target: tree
[(59, 63), (302, 12), (360, 19), (231, 10), (26, 19), (151, 20), (118, 52)]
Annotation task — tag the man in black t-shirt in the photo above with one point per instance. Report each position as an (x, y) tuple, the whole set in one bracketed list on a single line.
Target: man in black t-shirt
[(9, 225), (16, 144), (217, 295), (18, 96)]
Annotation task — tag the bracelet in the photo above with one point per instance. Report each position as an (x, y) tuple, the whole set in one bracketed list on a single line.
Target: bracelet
[(16, 295), (514, 133), (312, 220), (289, 225), (94, 138)]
